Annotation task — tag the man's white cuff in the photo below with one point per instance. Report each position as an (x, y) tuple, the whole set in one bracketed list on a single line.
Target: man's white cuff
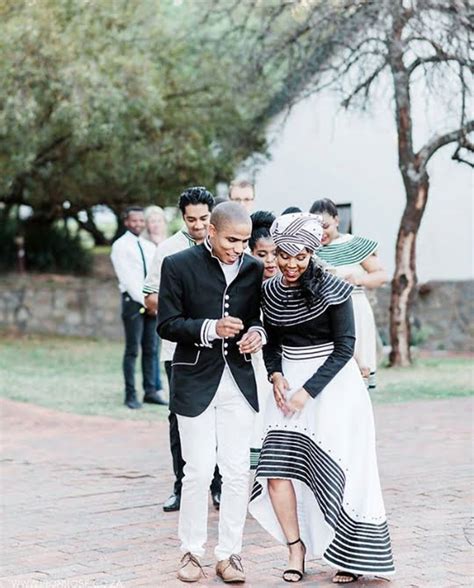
[(208, 332)]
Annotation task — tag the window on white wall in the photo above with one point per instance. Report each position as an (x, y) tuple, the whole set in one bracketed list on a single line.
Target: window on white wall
[(345, 217)]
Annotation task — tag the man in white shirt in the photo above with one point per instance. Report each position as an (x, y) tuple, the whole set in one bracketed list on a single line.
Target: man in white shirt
[(131, 256), (196, 205)]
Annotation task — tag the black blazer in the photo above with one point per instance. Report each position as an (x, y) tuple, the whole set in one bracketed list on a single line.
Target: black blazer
[(193, 290)]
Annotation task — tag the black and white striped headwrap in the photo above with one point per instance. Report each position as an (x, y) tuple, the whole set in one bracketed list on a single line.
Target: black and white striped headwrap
[(294, 232)]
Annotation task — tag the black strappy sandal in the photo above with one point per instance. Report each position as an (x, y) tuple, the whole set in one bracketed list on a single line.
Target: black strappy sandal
[(299, 573), (345, 578)]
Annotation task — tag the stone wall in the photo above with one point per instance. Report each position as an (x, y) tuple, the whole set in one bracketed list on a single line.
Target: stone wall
[(90, 307), (61, 305), (442, 316)]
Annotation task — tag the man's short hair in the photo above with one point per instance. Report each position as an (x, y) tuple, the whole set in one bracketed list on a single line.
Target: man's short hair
[(229, 212), (241, 184), (129, 210), (196, 195)]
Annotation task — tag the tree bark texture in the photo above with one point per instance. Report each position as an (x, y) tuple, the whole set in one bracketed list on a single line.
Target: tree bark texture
[(405, 279), (416, 188)]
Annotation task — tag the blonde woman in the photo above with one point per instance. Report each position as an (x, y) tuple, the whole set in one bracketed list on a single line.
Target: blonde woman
[(156, 228), (156, 232)]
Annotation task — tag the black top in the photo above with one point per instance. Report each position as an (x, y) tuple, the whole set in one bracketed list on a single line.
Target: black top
[(193, 291), (289, 321)]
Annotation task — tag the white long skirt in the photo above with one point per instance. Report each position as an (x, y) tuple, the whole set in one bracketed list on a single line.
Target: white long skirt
[(328, 451), (365, 351)]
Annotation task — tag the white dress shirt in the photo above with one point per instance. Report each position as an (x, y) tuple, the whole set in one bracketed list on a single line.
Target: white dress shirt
[(174, 244), (130, 265), (230, 271)]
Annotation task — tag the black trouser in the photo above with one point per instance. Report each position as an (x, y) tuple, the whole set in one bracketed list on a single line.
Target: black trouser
[(175, 446), (140, 331)]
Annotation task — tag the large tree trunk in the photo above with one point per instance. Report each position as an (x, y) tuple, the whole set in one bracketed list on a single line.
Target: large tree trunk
[(93, 230), (405, 280)]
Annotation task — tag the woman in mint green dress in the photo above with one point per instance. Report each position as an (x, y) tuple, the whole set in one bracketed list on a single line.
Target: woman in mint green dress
[(355, 260)]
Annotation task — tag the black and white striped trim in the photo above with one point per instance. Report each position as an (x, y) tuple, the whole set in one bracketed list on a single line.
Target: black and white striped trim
[(358, 290), (294, 232), (307, 352), (360, 546), (372, 381), (286, 306), (205, 330)]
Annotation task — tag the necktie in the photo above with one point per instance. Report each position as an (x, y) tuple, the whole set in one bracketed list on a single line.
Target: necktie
[(143, 257)]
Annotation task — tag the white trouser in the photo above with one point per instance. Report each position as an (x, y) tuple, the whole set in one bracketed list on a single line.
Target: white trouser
[(220, 434)]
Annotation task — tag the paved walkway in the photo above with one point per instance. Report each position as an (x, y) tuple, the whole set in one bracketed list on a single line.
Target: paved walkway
[(82, 502)]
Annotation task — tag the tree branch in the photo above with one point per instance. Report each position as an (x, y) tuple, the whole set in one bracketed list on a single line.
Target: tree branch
[(42, 158), (444, 58), (426, 152), (364, 85), (456, 156)]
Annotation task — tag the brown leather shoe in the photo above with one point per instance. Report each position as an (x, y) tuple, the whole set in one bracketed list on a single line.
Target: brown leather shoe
[(231, 570), (190, 570)]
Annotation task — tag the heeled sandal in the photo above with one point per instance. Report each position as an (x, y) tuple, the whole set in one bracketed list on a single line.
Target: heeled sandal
[(299, 573), (342, 577)]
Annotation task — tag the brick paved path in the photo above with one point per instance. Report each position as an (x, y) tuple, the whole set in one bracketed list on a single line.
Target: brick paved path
[(82, 502)]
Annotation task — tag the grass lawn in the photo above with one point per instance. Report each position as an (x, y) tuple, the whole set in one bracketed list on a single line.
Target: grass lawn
[(84, 376)]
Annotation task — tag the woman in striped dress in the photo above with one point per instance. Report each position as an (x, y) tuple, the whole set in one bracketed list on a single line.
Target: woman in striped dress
[(355, 260), (317, 486)]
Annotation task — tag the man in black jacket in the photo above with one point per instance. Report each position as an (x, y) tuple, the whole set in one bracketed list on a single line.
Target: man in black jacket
[(209, 303)]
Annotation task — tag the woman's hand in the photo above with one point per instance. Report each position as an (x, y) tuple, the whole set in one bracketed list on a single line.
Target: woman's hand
[(280, 387), (353, 279), (251, 342), (297, 401)]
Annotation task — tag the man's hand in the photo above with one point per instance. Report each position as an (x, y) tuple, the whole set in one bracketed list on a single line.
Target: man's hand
[(229, 326), (280, 387), (297, 401), (251, 342), (151, 304)]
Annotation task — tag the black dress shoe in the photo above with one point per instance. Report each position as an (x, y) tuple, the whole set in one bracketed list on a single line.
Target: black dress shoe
[(216, 500), (155, 398), (173, 503), (132, 402)]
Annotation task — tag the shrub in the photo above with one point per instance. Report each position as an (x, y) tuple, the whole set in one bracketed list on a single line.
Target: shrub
[(48, 248), (54, 249)]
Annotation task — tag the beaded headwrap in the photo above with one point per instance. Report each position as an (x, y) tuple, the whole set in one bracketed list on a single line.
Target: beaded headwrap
[(294, 232)]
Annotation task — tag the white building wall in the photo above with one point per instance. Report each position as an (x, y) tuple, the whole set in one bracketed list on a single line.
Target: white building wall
[(321, 151)]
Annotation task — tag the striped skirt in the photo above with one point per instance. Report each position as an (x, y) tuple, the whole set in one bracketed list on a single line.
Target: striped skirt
[(328, 451), (265, 394)]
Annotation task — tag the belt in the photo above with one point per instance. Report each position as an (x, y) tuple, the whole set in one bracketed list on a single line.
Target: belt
[(307, 352)]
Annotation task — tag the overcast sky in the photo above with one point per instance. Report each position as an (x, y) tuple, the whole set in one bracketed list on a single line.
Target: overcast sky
[(352, 157)]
